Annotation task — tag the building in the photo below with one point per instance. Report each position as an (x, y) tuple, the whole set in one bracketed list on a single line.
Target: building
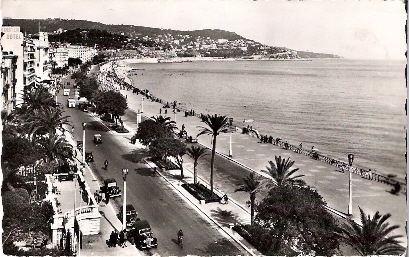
[(42, 59), (59, 56), (12, 66), (29, 68), (8, 78), (82, 52)]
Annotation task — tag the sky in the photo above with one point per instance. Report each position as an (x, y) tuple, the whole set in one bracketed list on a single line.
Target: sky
[(350, 28)]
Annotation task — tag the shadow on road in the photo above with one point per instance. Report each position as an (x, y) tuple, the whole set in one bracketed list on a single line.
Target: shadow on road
[(219, 247), (146, 172), (96, 126), (224, 217), (135, 156)]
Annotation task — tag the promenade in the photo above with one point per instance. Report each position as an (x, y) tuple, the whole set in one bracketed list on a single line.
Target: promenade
[(248, 152), (93, 245)]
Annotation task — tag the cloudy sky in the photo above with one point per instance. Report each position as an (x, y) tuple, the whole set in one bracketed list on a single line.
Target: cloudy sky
[(353, 29)]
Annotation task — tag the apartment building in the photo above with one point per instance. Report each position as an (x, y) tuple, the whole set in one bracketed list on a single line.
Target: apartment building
[(12, 67)]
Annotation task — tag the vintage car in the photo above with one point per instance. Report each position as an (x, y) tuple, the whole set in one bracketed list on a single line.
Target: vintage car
[(190, 139), (89, 157), (141, 235), (131, 216), (97, 139), (79, 145), (111, 188)]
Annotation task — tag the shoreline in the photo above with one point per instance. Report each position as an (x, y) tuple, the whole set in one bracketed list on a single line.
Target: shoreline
[(122, 70), (208, 59)]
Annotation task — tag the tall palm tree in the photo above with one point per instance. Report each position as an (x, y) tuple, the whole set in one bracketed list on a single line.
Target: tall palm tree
[(48, 120), (252, 186), (281, 173), (216, 125), (170, 124), (36, 99), (55, 148), (196, 153), (372, 238)]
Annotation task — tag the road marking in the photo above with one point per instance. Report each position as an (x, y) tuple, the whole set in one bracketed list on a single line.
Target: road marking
[(320, 167), (250, 150), (300, 165), (315, 171), (239, 145), (330, 177), (342, 190), (323, 182), (260, 154)]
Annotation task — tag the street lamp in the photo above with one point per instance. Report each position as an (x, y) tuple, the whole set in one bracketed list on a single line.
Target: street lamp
[(143, 98), (350, 161), (124, 173), (83, 141), (230, 148)]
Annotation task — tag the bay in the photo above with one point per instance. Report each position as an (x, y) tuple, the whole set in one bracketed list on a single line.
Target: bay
[(336, 105)]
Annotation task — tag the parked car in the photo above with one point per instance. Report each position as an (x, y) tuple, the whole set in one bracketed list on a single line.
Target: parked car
[(97, 139), (89, 157), (131, 216), (111, 188), (141, 235)]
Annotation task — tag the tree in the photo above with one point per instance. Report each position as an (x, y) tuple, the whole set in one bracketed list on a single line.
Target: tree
[(149, 131), (252, 186), (55, 148), (196, 153), (170, 124), (35, 99), (74, 61), (281, 173), (373, 237), (216, 125), (88, 87), (48, 120), (169, 147), (291, 214), (110, 102)]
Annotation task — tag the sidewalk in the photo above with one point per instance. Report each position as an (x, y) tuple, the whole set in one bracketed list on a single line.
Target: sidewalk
[(95, 245), (332, 184)]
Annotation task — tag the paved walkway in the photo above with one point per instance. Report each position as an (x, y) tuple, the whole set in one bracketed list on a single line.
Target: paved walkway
[(94, 245), (330, 182)]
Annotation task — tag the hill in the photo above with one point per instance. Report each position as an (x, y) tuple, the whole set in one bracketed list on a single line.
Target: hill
[(31, 26)]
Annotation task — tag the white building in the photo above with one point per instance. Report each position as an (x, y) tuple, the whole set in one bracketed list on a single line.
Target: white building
[(12, 48), (82, 52), (42, 67)]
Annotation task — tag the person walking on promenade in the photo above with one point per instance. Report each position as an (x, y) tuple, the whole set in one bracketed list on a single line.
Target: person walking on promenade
[(125, 237), (121, 239), (300, 146), (160, 111)]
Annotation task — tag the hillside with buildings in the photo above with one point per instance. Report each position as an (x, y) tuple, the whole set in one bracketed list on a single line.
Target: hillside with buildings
[(156, 42)]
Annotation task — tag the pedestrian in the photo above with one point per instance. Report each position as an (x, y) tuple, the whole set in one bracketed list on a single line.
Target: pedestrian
[(160, 111), (125, 237), (121, 238), (72, 130), (107, 197), (300, 146)]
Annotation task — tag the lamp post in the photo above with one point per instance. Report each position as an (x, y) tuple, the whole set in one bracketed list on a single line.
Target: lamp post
[(143, 98), (83, 141), (350, 161), (124, 173), (230, 148)]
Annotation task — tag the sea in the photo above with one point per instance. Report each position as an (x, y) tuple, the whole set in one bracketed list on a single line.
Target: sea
[(339, 106)]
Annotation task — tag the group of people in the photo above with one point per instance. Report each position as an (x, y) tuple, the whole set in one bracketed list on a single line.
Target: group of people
[(118, 238)]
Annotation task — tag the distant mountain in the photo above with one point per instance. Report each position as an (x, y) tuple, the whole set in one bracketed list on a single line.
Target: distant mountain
[(304, 54), (31, 26)]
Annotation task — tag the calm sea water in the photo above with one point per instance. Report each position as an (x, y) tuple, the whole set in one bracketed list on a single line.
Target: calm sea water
[(338, 106)]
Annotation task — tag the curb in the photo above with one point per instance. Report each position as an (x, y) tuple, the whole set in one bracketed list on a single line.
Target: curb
[(209, 217)]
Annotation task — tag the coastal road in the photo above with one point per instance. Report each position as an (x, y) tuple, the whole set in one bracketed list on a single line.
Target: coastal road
[(153, 199), (332, 184)]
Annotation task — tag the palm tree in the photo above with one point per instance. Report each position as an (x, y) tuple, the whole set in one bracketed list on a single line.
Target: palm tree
[(55, 148), (281, 173), (36, 99), (216, 124), (196, 153), (48, 120), (372, 238), (170, 124), (252, 186)]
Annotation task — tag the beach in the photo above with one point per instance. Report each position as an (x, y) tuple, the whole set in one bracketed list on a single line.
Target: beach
[(360, 110)]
